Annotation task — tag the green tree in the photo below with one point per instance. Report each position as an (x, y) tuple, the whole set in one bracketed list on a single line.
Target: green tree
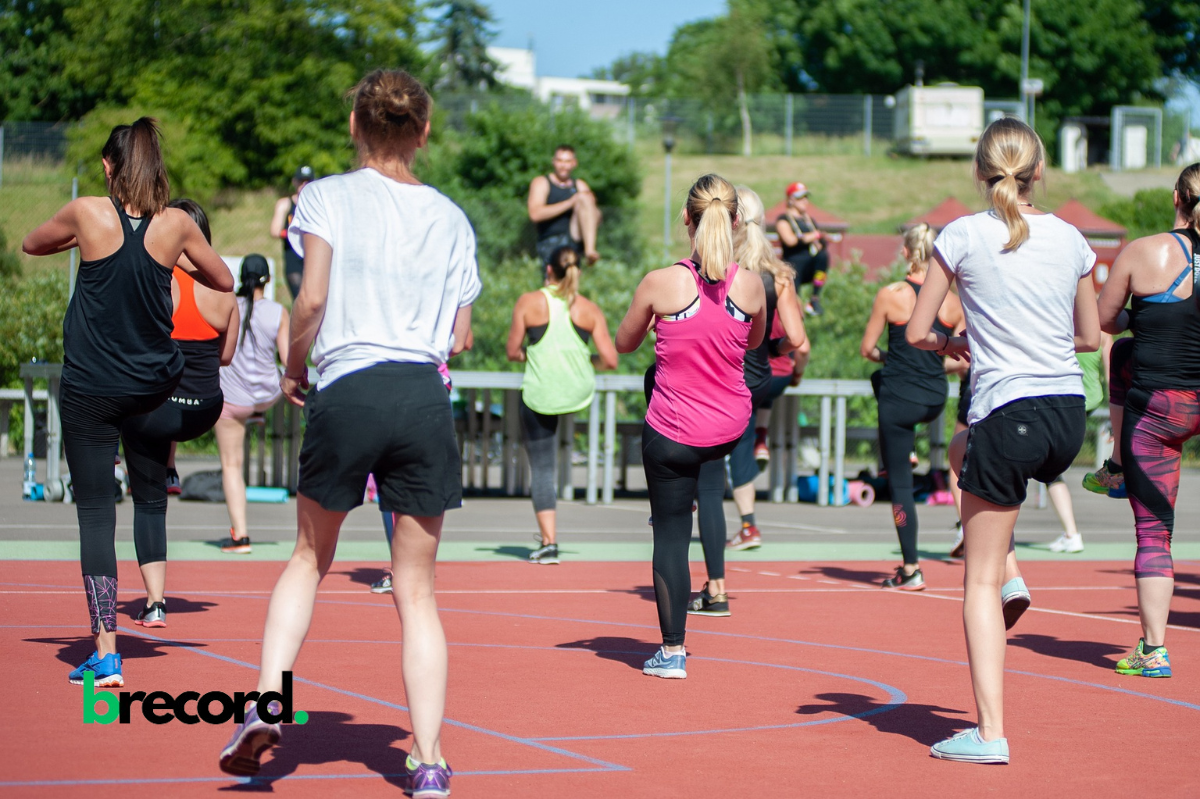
[(644, 73), (462, 60), (34, 44)]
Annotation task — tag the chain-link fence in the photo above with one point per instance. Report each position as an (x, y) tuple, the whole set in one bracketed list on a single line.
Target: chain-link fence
[(34, 180)]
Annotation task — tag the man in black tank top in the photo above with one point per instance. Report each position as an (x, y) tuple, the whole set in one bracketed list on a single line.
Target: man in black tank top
[(564, 210), (293, 264)]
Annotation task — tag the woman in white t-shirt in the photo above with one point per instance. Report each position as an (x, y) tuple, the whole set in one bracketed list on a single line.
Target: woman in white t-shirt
[(1024, 278), (389, 278), (250, 384)]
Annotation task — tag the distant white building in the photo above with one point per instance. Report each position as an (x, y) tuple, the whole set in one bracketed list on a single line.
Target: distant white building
[(600, 98)]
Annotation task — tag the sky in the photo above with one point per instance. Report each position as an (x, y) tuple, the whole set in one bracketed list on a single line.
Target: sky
[(572, 38)]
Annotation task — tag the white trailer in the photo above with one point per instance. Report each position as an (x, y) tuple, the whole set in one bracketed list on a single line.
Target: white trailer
[(946, 119)]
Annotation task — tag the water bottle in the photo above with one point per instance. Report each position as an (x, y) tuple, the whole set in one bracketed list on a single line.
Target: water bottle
[(30, 478)]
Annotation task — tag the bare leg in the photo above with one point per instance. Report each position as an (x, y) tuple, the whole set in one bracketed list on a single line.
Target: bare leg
[(546, 524), (1154, 606), (743, 498), (154, 577), (423, 656), (231, 437), (290, 610), (989, 530), (1060, 495), (585, 222), (957, 451), (106, 642), (764, 418), (171, 458)]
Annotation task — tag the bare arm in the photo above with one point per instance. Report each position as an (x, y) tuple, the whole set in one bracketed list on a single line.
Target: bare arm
[(787, 308), (876, 322), (463, 338), (604, 344), (1111, 304), (633, 328), (308, 311), (539, 192), (920, 332), (1087, 320), (516, 332), (758, 326), (202, 261), (229, 336), (786, 234), (281, 337), (279, 219), (55, 235)]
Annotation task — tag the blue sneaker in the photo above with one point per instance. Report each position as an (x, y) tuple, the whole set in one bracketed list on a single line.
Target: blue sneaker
[(1120, 492), (1015, 598), (427, 780), (666, 665), (968, 747), (106, 671)]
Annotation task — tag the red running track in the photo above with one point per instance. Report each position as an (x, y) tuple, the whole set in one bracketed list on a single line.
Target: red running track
[(818, 684)]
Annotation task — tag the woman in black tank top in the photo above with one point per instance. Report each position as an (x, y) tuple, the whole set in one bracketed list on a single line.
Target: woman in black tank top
[(1162, 405), (910, 388), (119, 358)]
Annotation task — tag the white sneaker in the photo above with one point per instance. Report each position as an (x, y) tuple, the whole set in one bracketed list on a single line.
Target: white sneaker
[(1067, 543)]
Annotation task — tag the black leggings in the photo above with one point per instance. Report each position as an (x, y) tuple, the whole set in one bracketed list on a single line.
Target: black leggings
[(811, 269), (91, 429), (898, 420), (672, 476), (147, 439), (540, 431)]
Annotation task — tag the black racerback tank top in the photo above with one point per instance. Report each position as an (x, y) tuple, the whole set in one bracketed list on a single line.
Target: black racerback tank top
[(561, 224), (117, 330), (1166, 340), (912, 374), (757, 366)]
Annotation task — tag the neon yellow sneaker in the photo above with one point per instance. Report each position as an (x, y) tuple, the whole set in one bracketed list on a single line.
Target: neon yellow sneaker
[(1141, 663), (1106, 480)]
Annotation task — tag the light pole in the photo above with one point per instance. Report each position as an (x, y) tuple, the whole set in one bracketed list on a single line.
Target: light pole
[(1025, 65), (668, 141)]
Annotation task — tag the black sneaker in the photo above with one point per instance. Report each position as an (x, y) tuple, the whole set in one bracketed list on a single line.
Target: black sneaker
[(906, 582), (154, 615), (547, 554), (174, 486), (705, 604), (814, 307)]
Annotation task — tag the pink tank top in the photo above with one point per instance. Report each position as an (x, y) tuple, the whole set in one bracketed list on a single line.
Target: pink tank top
[(700, 396)]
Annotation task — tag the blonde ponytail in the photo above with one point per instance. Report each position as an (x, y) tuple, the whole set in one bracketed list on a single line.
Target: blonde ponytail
[(1006, 163), (751, 248), (712, 206), (918, 240)]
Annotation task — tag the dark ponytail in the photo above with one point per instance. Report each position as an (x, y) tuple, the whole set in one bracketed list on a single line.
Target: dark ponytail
[(139, 176), (255, 274)]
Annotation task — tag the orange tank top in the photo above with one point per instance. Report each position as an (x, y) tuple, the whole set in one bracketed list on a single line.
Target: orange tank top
[(189, 324)]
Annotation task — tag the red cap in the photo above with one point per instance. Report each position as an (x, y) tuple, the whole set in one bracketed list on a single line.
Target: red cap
[(797, 190)]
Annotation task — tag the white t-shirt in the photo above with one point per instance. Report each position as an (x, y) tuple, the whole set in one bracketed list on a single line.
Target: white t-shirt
[(403, 264), (1019, 306)]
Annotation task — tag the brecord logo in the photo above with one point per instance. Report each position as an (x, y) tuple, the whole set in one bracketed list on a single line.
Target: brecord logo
[(159, 707)]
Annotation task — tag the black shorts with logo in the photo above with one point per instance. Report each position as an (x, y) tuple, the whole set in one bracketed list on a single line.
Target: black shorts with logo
[(392, 420), (1035, 437)]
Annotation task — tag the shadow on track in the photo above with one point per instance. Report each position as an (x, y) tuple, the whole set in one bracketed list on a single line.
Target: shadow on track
[(922, 723)]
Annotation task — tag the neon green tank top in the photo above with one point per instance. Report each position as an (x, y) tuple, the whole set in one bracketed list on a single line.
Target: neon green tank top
[(1093, 392), (559, 377)]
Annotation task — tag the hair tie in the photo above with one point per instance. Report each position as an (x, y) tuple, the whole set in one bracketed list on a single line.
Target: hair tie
[(1009, 173)]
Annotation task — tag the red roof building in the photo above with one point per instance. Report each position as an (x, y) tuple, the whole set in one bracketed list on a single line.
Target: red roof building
[(940, 215), (1105, 237)]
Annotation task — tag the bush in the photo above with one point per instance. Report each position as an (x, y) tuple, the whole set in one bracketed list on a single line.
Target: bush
[(31, 316), (1148, 212), (487, 168)]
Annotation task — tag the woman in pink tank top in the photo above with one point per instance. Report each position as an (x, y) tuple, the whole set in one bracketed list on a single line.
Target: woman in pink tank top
[(706, 313)]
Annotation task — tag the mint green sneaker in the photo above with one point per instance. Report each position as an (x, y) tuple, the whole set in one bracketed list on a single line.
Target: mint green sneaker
[(968, 747), (1015, 599), (1141, 663)]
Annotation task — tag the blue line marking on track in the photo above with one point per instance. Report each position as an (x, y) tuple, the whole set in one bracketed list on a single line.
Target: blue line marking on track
[(603, 764), (289, 778)]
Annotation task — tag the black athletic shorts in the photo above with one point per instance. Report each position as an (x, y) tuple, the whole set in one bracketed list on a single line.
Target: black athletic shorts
[(392, 420), (1036, 437)]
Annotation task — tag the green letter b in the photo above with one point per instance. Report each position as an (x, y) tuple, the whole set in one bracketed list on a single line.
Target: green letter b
[(91, 697)]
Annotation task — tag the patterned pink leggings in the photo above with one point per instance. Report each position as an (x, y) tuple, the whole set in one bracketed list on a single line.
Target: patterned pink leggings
[(1157, 423)]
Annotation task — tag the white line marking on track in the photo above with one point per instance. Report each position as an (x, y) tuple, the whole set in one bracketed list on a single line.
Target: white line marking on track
[(771, 574), (1062, 612)]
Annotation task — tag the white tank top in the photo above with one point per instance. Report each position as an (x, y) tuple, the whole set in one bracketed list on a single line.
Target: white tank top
[(252, 378)]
